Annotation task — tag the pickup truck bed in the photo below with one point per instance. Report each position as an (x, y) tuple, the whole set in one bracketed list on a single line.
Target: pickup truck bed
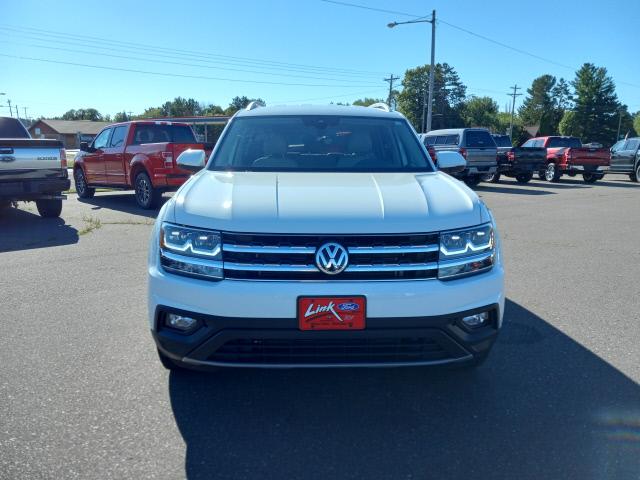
[(566, 155), (32, 170)]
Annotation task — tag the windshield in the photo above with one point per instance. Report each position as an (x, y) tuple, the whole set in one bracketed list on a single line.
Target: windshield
[(502, 140), (320, 143), (564, 142)]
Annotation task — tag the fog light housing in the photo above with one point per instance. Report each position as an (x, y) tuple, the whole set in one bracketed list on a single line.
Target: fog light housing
[(476, 320), (180, 322)]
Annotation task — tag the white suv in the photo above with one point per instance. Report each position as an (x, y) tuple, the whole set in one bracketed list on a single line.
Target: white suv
[(323, 237)]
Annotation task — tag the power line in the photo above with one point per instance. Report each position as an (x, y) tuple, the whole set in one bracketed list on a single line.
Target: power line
[(462, 29), (126, 57), (178, 75), (331, 97), (142, 46)]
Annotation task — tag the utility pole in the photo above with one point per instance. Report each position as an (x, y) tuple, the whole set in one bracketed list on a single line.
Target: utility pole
[(433, 64), (129, 115), (391, 79), (25, 112), (431, 70), (619, 124), (10, 109), (17, 112), (513, 107)]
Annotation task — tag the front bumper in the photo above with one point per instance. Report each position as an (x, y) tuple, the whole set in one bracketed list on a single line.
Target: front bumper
[(251, 323), (278, 343)]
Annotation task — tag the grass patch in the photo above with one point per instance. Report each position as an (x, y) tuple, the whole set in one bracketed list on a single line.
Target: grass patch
[(90, 224)]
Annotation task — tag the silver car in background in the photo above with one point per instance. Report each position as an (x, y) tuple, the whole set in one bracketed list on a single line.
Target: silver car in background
[(476, 145)]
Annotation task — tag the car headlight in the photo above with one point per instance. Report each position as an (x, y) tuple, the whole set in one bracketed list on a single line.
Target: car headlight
[(466, 252), (191, 251)]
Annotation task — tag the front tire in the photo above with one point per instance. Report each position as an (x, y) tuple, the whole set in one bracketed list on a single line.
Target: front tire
[(49, 208), (146, 196), (82, 188), (524, 177), (552, 173), (635, 176)]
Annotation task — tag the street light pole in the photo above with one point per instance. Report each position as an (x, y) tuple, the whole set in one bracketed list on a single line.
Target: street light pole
[(431, 69)]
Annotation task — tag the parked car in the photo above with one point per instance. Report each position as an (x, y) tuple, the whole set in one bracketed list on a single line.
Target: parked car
[(31, 170), (516, 162), (567, 155), (323, 236), (138, 155), (475, 144), (625, 158), (429, 147)]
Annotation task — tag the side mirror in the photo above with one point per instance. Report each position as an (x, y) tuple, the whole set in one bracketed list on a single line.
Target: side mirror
[(84, 146), (192, 160), (451, 162)]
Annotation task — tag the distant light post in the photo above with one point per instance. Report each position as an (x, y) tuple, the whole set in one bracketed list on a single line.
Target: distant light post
[(431, 70)]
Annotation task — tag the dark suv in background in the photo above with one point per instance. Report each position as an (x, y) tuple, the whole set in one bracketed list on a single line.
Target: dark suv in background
[(625, 158), (516, 162), (475, 144)]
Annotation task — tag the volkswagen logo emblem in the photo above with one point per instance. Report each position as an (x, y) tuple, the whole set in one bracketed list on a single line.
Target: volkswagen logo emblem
[(332, 258)]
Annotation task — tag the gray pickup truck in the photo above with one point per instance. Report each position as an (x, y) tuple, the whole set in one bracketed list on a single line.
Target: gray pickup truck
[(475, 144), (31, 170)]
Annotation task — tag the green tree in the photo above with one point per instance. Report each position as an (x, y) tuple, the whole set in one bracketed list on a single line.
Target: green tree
[(636, 123), (121, 117), (596, 105), (569, 124), (627, 128), (539, 107), (448, 95), (238, 103), (83, 114), (365, 102), (480, 112)]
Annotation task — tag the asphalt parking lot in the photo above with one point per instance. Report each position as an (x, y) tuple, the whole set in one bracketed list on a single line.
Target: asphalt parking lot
[(82, 394)]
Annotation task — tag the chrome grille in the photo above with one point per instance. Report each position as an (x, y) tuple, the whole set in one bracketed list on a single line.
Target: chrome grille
[(292, 257)]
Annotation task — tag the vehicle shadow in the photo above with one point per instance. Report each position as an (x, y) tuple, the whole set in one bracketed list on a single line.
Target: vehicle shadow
[(123, 202), (542, 406), (497, 188), (23, 230)]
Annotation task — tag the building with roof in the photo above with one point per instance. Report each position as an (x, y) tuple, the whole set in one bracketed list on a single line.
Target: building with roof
[(69, 132)]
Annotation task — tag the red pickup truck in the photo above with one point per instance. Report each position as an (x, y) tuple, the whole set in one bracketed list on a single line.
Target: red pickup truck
[(567, 155), (138, 155)]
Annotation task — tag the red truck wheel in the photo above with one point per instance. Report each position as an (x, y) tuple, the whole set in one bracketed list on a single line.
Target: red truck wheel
[(83, 190), (146, 196)]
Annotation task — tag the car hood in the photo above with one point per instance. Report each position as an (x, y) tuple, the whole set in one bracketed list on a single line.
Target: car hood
[(267, 202)]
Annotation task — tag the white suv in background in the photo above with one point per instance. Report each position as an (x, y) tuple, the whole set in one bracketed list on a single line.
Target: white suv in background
[(323, 237)]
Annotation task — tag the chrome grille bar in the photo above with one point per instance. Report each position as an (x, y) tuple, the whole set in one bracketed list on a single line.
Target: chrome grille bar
[(267, 249), (393, 249)]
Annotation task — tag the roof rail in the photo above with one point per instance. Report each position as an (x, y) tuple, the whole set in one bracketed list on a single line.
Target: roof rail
[(253, 105), (380, 106)]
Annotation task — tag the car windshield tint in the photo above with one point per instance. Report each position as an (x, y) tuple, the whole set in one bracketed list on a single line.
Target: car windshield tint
[(564, 142), (320, 143), (479, 139), (163, 134), (502, 141)]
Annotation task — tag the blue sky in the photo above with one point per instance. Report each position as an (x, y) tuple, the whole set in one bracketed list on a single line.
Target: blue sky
[(339, 53)]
